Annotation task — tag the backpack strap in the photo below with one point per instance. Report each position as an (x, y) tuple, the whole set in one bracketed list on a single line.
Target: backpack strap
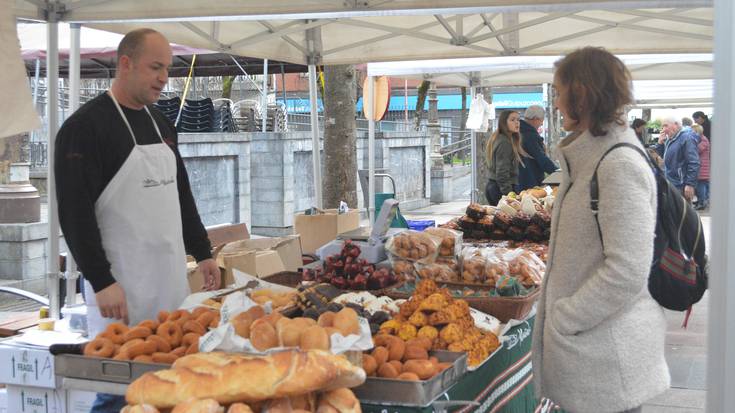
[(595, 187)]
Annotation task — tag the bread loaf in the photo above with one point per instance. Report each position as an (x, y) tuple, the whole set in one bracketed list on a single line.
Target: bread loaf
[(199, 406), (342, 400), (239, 408), (229, 378), (139, 408)]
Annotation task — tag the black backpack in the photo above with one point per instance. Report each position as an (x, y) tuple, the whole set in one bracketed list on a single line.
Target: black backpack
[(678, 276)]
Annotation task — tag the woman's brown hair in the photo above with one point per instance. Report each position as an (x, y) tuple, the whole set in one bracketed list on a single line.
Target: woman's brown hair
[(599, 86), (515, 138)]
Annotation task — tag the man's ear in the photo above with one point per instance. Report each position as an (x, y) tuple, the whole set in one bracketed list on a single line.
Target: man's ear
[(125, 63)]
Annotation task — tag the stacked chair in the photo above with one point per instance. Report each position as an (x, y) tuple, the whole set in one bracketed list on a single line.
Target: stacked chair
[(169, 107), (223, 119), (197, 116), (246, 113)]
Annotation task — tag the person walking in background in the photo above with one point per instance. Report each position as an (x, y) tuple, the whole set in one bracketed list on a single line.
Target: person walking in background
[(504, 155), (598, 338), (531, 171), (639, 127), (702, 188), (678, 147), (686, 122), (703, 120)]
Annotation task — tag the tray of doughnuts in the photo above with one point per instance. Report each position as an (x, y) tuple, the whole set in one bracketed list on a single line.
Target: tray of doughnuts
[(402, 391)]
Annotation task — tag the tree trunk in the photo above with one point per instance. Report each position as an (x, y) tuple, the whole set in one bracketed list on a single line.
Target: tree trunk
[(227, 82), (420, 99), (481, 159), (463, 112), (340, 136)]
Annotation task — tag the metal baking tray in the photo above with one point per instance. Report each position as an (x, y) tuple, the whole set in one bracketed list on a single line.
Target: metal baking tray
[(100, 369), (381, 391)]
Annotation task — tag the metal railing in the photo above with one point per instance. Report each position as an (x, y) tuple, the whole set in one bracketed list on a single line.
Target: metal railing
[(39, 154)]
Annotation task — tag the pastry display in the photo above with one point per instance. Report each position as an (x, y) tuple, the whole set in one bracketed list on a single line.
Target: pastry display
[(347, 271), (476, 211), (438, 272), (451, 241)]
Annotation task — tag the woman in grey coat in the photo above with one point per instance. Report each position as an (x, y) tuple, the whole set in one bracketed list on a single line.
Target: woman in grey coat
[(599, 335)]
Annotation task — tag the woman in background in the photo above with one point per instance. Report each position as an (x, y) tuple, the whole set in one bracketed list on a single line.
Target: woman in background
[(702, 189), (639, 126), (504, 153)]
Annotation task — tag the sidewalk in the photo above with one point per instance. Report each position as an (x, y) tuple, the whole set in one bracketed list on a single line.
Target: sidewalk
[(686, 350)]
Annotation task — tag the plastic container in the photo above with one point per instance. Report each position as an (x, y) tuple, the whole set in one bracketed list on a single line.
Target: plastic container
[(420, 225)]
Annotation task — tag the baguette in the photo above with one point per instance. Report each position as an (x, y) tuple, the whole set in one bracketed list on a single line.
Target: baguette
[(230, 378)]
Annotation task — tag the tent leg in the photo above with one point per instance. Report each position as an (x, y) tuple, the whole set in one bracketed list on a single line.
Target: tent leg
[(721, 328), (52, 256), (369, 107), (72, 275), (473, 153), (264, 97), (315, 154)]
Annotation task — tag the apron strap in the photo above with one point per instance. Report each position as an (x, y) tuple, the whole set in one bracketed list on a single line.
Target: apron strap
[(125, 119)]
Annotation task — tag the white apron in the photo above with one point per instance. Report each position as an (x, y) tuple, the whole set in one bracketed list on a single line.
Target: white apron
[(139, 217)]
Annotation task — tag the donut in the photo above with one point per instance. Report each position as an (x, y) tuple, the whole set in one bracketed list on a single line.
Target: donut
[(215, 321), (143, 358), (117, 348), (192, 326), (179, 315), (193, 348), (115, 332), (165, 358), (100, 347), (116, 339), (137, 332), (162, 344), (163, 316), (117, 328), (138, 349), (197, 312), (179, 351), (139, 408), (151, 324), (189, 339), (170, 332), (132, 342), (122, 356), (206, 318)]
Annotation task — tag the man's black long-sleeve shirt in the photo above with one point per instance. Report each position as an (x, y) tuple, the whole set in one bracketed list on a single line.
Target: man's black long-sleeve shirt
[(91, 147)]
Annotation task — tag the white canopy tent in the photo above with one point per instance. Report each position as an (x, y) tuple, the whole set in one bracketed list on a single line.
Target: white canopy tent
[(338, 31)]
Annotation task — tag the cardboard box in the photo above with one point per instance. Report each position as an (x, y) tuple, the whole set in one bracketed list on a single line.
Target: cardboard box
[(79, 401), (25, 399), (318, 230), (28, 366), (220, 235), (196, 279), (263, 256)]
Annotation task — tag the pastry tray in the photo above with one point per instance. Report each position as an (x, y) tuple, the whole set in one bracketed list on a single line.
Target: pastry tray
[(101, 369), (393, 392)]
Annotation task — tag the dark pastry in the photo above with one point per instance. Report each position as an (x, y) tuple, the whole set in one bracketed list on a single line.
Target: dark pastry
[(542, 219), (498, 234), (486, 224), (502, 220), (515, 233), (534, 233), (476, 211), (468, 224), (547, 233), (521, 220)]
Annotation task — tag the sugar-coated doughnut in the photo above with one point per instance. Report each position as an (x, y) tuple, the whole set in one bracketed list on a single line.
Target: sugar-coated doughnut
[(179, 315), (192, 326), (99, 347), (165, 358), (144, 348), (162, 344), (152, 324), (143, 358), (163, 316), (137, 332), (171, 332), (190, 338)]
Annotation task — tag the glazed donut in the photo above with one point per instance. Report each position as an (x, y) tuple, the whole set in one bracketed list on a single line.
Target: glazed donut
[(179, 351), (132, 342), (163, 316), (192, 326), (165, 358), (117, 328), (151, 324), (170, 332), (179, 315), (162, 344), (138, 349), (99, 347), (122, 356), (144, 358), (193, 348), (137, 332), (139, 408), (116, 339), (197, 312), (189, 339), (206, 318), (215, 321), (117, 348)]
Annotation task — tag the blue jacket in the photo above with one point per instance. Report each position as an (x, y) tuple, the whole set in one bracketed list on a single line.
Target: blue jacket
[(681, 158), (531, 173)]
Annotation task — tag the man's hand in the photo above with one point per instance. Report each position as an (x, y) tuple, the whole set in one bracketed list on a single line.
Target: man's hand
[(661, 138), (112, 302), (688, 192), (210, 271)]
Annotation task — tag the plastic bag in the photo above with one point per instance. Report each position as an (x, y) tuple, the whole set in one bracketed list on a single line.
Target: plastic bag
[(524, 265), (414, 246), (403, 268), (482, 266), (451, 241), (438, 272)]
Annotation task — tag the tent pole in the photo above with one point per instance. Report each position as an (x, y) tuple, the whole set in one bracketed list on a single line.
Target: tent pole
[(52, 255), (315, 155), (369, 108), (72, 274), (721, 327), (283, 88), (264, 97), (473, 154)]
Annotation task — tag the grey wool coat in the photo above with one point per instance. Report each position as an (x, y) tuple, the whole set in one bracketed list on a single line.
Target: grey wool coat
[(598, 340)]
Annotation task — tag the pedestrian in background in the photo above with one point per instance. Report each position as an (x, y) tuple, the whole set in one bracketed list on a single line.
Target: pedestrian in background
[(703, 120), (686, 122), (702, 189), (504, 154), (531, 171), (639, 127), (678, 147)]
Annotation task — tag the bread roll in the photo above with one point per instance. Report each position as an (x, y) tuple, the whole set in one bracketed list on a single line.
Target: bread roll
[(289, 332), (347, 322), (139, 408), (315, 338), (303, 402), (199, 406), (380, 354), (342, 400), (239, 408), (369, 364), (262, 335), (423, 368), (397, 364), (408, 376), (326, 319), (414, 352), (231, 378), (387, 371)]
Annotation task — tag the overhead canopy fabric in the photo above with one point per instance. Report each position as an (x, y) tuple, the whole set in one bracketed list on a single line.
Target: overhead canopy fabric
[(99, 53), (341, 32), (534, 70)]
